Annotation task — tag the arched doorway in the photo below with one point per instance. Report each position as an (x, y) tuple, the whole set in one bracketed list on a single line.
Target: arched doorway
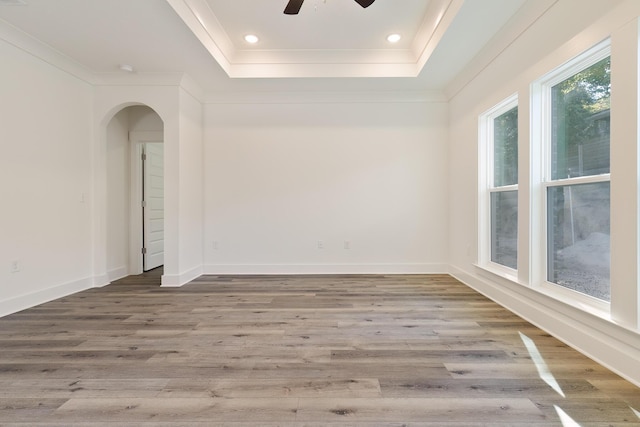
[(134, 191)]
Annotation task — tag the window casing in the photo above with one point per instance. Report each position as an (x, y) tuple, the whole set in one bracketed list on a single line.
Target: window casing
[(499, 184), (575, 178)]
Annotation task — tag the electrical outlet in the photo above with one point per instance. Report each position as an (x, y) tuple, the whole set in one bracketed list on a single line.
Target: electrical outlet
[(15, 266), (214, 245), (347, 244), (320, 244)]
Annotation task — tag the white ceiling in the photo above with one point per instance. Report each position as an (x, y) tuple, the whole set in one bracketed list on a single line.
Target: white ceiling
[(330, 45), (328, 38)]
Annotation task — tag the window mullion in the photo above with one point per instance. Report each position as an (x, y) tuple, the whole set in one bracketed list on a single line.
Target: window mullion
[(579, 180)]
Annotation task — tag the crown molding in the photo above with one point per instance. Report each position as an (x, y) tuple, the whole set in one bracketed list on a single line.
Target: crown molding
[(32, 46), (325, 97), (524, 18), (294, 63)]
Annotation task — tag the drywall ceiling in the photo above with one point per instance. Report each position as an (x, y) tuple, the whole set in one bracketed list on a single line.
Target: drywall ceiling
[(332, 38), (330, 45)]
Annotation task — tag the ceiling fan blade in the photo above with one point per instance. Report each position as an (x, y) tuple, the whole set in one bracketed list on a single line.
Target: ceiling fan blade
[(293, 7), (365, 3)]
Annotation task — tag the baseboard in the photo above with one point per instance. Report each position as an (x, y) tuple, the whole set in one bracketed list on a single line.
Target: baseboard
[(22, 302), (101, 280), (613, 346), (117, 273), (177, 280), (285, 269)]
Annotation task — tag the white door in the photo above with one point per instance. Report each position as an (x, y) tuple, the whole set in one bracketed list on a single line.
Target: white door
[(153, 205)]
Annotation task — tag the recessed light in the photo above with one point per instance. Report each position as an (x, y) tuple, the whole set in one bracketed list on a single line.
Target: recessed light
[(394, 38), (126, 67), (251, 38)]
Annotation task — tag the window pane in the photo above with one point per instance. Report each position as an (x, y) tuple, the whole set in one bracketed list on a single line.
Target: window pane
[(505, 148), (578, 238), (580, 123), (504, 228)]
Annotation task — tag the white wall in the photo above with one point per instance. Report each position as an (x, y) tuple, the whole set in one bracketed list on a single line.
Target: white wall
[(118, 185), (614, 343), (143, 118), (191, 188), (45, 181), (280, 177)]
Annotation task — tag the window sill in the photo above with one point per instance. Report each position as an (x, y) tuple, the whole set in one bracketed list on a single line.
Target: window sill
[(498, 274), (584, 303)]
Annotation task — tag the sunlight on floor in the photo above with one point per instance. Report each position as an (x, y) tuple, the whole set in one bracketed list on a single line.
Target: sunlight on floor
[(635, 412), (541, 365), (565, 419)]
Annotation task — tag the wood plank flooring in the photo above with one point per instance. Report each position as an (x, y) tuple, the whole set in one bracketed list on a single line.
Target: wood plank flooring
[(416, 350)]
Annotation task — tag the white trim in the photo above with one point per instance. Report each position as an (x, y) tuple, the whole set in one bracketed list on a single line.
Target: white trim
[(578, 180), (135, 208), (625, 185), (576, 64), (612, 345), (527, 16), (542, 89), (324, 97), (485, 174), (117, 273), (138, 79), (322, 63), (570, 297), (44, 52), (541, 164), (177, 280), (287, 269), (136, 141), (22, 302), (493, 270), (101, 280), (586, 302), (505, 189)]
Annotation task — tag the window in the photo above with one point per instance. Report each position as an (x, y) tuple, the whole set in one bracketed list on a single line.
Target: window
[(576, 174), (499, 140)]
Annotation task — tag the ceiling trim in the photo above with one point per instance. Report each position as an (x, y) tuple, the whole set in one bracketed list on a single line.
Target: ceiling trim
[(437, 20), (27, 43), (526, 16), (311, 97), (48, 55), (284, 63)]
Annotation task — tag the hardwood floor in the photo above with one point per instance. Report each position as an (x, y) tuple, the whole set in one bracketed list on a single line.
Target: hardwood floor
[(418, 350)]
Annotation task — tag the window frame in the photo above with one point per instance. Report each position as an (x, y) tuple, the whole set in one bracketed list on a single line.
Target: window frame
[(542, 134), (486, 170)]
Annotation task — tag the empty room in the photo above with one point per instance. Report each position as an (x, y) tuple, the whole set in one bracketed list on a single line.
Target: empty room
[(320, 212)]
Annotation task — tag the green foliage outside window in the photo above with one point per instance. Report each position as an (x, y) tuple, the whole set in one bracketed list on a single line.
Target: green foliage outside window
[(581, 103)]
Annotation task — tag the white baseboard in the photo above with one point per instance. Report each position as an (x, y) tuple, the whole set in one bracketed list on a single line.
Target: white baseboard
[(101, 280), (613, 346), (22, 302), (286, 269), (117, 273), (177, 280), (609, 344)]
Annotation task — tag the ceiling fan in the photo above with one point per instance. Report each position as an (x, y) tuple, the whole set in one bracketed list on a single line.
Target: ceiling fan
[(293, 7)]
